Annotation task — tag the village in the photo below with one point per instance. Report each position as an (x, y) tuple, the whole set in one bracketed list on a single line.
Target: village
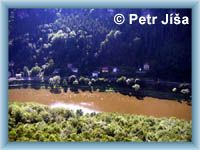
[(110, 77)]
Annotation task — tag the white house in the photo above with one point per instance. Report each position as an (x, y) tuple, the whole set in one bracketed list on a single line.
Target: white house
[(105, 69), (18, 76), (146, 67), (115, 70), (74, 70), (95, 74)]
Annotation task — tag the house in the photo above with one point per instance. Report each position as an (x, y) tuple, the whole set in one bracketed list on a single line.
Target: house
[(146, 67), (140, 72), (115, 70), (95, 74), (74, 70), (104, 69), (11, 64), (18, 76)]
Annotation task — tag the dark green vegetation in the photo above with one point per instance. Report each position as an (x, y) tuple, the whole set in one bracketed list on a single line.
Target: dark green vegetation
[(124, 85), (34, 122), (42, 40)]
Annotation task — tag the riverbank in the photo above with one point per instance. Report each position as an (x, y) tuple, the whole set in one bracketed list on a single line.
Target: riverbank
[(106, 102)]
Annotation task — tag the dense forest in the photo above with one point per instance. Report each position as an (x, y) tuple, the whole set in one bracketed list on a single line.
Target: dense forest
[(42, 40)]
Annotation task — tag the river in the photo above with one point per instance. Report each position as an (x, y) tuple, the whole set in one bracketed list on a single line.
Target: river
[(104, 102)]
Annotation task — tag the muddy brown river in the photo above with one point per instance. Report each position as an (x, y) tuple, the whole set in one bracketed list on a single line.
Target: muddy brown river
[(105, 102)]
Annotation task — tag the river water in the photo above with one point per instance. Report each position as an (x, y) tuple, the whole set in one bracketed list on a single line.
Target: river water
[(104, 102)]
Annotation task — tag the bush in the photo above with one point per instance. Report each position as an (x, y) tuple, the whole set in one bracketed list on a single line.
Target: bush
[(84, 81), (55, 83), (35, 71), (136, 87), (121, 81), (65, 85), (50, 124)]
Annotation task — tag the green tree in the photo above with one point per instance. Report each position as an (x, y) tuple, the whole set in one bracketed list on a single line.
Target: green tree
[(65, 85), (49, 67), (55, 83), (35, 71)]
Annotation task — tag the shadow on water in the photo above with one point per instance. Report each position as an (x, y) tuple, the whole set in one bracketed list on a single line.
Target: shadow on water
[(140, 95), (55, 91), (105, 102)]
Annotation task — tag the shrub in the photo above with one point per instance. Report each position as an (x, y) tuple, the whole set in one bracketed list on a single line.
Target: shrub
[(130, 81), (35, 71), (65, 85), (65, 125), (79, 112), (71, 79), (122, 79), (136, 87), (55, 83)]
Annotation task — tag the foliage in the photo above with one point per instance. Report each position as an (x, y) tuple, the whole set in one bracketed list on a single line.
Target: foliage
[(71, 78), (55, 83), (75, 82), (35, 71), (36, 122), (26, 71), (136, 87), (84, 81), (121, 79), (184, 89), (64, 83), (130, 81), (88, 39), (55, 80), (48, 67)]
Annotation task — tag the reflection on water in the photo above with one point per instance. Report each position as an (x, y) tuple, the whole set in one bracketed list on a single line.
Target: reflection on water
[(104, 102), (73, 107), (85, 104)]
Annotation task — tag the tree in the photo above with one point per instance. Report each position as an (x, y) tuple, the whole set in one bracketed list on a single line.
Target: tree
[(26, 71), (121, 81), (49, 67), (136, 87), (71, 79), (55, 83), (137, 90), (75, 85), (35, 71), (64, 84)]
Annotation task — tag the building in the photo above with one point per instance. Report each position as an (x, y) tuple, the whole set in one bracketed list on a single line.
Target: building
[(104, 69), (95, 74), (140, 72), (18, 76), (146, 67), (74, 70), (115, 70)]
